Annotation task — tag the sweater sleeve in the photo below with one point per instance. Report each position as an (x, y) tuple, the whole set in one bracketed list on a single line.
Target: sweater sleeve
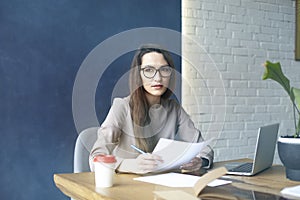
[(110, 131), (186, 131)]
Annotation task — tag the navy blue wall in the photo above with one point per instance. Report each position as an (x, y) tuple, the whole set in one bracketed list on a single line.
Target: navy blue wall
[(42, 45)]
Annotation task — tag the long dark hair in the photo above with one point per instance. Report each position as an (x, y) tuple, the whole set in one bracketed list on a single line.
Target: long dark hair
[(138, 103)]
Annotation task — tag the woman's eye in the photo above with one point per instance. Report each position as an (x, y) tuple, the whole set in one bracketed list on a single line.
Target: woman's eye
[(148, 70), (165, 69)]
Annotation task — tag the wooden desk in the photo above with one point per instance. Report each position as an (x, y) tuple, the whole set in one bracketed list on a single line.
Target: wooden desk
[(265, 185)]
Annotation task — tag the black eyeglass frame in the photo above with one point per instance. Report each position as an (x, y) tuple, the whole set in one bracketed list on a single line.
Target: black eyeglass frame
[(156, 70)]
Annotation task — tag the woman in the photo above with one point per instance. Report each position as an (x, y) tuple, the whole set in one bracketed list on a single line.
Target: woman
[(147, 115)]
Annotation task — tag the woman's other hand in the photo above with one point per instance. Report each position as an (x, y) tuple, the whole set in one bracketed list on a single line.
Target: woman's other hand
[(194, 165), (148, 162)]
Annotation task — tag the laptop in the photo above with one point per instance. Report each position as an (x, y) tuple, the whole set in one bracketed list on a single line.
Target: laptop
[(264, 153)]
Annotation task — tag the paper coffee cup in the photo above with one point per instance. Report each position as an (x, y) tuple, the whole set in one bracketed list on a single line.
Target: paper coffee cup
[(104, 170)]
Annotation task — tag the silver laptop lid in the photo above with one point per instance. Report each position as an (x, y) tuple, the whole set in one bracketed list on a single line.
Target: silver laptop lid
[(265, 147)]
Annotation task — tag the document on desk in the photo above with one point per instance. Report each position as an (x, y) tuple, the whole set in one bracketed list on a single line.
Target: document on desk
[(175, 153), (177, 180), (291, 192)]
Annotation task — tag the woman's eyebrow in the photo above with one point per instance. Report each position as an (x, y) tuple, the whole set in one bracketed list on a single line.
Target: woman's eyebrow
[(144, 66)]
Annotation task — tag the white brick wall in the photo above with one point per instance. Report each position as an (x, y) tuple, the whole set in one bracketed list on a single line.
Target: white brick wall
[(225, 44)]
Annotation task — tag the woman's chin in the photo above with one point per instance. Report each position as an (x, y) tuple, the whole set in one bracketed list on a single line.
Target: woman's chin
[(157, 92)]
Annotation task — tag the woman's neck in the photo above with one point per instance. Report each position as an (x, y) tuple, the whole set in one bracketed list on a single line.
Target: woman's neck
[(152, 99)]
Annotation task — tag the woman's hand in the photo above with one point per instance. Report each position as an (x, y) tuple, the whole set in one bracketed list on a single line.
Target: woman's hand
[(194, 165), (148, 162)]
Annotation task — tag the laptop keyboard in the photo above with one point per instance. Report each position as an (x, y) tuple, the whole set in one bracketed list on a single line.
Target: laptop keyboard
[(246, 167)]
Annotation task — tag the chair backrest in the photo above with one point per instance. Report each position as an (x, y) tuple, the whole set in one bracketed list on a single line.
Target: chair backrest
[(83, 146)]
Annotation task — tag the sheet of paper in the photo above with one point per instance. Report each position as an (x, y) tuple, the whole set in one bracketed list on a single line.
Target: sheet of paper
[(291, 192), (218, 182), (175, 153), (177, 180)]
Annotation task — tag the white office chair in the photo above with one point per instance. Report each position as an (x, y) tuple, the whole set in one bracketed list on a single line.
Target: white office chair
[(83, 146)]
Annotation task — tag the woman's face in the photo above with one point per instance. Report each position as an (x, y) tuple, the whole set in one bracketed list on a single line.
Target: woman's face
[(157, 85)]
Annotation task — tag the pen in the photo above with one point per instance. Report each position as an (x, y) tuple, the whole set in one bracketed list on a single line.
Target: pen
[(137, 149)]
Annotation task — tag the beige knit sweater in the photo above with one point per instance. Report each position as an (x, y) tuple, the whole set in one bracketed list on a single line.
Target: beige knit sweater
[(168, 120)]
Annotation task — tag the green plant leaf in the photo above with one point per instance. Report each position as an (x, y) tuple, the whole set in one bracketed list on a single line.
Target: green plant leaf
[(296, 93), (273, 71)]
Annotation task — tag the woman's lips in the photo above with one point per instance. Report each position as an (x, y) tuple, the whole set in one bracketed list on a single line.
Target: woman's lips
[(158, 86)]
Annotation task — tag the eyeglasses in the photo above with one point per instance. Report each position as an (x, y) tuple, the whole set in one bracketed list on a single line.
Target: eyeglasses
[(150, 72)]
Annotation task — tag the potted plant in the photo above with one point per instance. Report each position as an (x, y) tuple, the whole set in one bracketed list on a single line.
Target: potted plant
[(288, 145)]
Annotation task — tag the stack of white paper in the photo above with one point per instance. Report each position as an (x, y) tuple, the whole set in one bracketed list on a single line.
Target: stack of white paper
[(175, 153)]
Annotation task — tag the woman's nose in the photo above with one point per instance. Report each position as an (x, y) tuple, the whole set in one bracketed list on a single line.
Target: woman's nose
[(157, 76)]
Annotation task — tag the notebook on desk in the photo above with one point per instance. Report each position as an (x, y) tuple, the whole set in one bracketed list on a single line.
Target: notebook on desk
[(264, 153)]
